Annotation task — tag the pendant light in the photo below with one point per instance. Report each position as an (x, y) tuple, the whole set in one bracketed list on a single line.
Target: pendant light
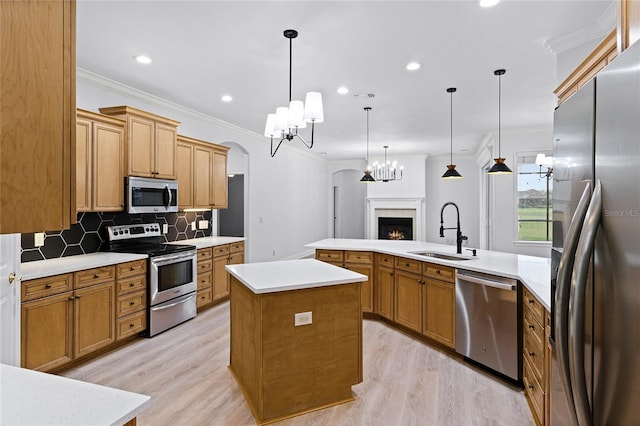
[(367, 173), (451, 172), (499, 168)]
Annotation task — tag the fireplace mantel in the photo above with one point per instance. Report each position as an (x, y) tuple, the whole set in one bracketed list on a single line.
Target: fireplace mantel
[(406, 204)]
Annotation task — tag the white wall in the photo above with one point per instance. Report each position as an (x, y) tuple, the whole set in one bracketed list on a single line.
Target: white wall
[(503, 230), (463, 192), (288, 193), (351, 202)]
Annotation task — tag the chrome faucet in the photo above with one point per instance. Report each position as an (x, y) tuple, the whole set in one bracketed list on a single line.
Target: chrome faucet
[(459, 237)]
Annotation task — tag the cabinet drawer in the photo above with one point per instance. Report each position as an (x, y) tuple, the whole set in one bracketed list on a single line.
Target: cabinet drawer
[(129, 269), (205, 296), (204, 265), (531, 324), (330, 255), (129, 285), (534, 391), (204, 253), (222, 250), (236, 247), (384, 260), (358, 257), (533, 305), (89, 277), (131, 303), (205, 280), (409, 265), (439, 272), (133, 324), (47, 286), (534, 353)]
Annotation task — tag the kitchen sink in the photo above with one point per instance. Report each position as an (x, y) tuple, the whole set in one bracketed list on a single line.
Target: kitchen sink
[(444, 256)]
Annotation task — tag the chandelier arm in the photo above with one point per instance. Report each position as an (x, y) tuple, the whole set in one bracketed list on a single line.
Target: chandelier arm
[(308, 145), (273, 153)]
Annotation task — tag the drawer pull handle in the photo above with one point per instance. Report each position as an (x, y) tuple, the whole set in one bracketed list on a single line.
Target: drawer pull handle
[(131, 284), (406, 264), (96, 276), (133, 268), (437, 271), (131, 325), (132, 303), (532, 354), (47, 286), (531, 326), (530, 386), (531, 301), (357, 257)]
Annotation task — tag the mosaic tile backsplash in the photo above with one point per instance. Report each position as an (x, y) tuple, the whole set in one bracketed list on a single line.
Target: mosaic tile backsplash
[(89, 234)]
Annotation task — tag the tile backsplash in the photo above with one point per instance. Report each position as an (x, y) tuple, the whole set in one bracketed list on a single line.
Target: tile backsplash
[(89, 234)]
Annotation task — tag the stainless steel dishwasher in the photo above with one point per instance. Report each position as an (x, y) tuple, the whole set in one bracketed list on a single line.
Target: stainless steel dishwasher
[(487, 319)]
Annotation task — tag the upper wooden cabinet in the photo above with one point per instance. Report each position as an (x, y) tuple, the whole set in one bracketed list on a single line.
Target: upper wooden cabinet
[(201, 174), (99, 162), (150, 142), (38, 104)]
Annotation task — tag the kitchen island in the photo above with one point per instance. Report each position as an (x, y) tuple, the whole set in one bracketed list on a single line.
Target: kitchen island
[(296, 335)]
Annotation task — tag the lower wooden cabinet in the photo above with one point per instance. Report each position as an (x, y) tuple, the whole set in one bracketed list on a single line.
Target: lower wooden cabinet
[(384, 291), (408, 299), (131, 298), (440, 311), (61, 327), (367, 286), (213, 279), (536, 356)]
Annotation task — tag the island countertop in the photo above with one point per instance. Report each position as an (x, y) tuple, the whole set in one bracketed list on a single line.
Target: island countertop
[(532, 271), (30, 397), (283, 275)]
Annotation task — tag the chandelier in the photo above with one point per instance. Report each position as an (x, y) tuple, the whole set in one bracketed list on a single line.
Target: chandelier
[(387, 170), (367, 173), (286, 121)]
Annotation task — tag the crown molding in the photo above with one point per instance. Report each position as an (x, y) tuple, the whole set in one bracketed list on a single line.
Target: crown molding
[(597, 31)]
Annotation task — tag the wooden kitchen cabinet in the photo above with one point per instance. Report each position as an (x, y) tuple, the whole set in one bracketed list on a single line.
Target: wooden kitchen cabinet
[(205, 279), (534, 352), (220, 276), (67, 325), (440, 311), (202, 166), (383, 284), (408, 296), (131, 298), (38, 104), (362, 263), (99, 162), (150, 142), (335, 257)]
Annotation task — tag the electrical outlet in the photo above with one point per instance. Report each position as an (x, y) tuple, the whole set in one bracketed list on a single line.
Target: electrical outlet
[(193, 225), (38, 239), (165, 228), (203, 224), (303, 318)]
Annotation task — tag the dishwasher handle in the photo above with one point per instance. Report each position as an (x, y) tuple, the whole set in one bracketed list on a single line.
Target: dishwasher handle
[(488, 283)]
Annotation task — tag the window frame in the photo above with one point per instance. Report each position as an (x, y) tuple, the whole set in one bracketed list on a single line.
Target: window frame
[(519, 242)]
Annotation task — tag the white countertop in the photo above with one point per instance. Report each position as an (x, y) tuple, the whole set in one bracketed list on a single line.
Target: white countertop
[(29, 397), (534, 272), (63, 265), (283, 275), (206, 242)]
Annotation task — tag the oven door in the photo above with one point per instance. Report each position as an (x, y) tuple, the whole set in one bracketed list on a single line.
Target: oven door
[(151, 195), (171, 276)]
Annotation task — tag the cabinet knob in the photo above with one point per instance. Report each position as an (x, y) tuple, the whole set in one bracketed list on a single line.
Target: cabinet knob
[(133, 268), (70, 298), (530, 386), (406, 264), (437, 271), (531, 301), (131, 284), (96, 276), (47, 286), (132, 303), (131, 325), (532, 354), (357, 257), (531, 326)]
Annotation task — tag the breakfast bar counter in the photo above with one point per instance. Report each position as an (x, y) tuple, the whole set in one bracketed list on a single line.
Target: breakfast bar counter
[(296, 335)]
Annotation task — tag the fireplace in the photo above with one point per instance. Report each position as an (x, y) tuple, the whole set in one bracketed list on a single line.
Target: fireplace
[(395, 228)]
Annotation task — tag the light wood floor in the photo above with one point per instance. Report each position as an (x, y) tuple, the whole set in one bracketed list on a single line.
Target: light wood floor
[(406, 382)]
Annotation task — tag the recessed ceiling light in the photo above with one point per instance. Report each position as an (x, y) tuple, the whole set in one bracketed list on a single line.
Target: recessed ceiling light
[(488, 3), (226, 98), (142, 59), (343, 90), (412, 66)]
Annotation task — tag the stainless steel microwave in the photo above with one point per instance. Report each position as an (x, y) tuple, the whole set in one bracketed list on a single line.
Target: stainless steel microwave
[(144, 195)]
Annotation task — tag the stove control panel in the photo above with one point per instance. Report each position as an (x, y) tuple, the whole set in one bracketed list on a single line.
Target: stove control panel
[(139, 230)]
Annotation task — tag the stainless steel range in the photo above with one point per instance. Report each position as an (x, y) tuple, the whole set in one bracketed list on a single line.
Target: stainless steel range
[(171, 273)]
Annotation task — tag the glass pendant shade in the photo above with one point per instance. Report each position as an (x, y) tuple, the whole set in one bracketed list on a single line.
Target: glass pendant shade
[(313, 111), (499, 168), (282, 119), (270, 126), (451, 172), (296, 115)]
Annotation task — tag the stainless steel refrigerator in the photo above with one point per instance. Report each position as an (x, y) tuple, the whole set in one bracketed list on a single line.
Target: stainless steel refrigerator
[(596, 250)]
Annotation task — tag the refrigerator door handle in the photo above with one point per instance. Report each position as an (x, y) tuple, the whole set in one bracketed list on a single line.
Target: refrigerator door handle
[(561, 307), (576, 305)]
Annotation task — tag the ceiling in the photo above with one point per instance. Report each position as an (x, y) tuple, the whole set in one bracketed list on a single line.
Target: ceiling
[(202, 50)]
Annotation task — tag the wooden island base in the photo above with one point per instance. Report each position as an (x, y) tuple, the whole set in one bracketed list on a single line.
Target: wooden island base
[(286, 370)]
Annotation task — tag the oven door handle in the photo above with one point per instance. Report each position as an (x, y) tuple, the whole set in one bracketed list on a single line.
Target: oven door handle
[(171, 305), (163, 260)]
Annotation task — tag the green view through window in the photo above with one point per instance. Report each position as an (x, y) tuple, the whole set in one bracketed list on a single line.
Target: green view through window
[(533, 197)]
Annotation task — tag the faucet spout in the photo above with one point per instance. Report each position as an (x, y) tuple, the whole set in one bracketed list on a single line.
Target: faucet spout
[(459, 236)]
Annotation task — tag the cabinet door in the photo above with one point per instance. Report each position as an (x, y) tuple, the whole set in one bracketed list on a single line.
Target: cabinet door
[(203, 177), (384, 292), (219, 183), (141, 146), (47, 327), (83, 165), (37, 41), (165, 151), (440, 312), (408, 298), (184, 174), (220, 278), (367, 287), (108, 173), (94, 312)]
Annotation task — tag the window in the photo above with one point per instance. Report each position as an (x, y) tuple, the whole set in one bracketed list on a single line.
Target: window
[(533, 197)]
